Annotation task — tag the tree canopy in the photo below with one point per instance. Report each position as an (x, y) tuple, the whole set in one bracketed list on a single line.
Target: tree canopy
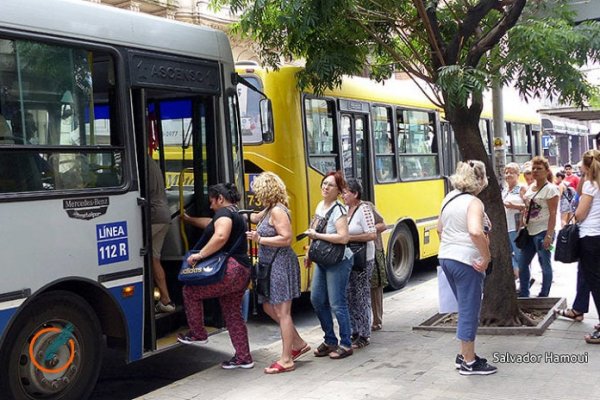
[(455, 46)]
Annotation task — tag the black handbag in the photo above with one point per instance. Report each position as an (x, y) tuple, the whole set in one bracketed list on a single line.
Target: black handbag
[(359, 249), (567, 244), (262, 284), (523, 238), (207, 271), (323, 252)]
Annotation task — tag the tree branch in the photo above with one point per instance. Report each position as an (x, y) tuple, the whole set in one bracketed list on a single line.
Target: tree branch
[(468, 28), (491, 38), (429, 19)]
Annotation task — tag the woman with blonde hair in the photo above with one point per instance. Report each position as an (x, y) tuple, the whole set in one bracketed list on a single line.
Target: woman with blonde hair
[(273, 235), (464, 256), (512, 197), (541, 200), (588, 217)]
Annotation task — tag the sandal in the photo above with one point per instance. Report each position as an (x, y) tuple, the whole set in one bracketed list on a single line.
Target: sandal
[(570, 314), (277, 368), (323, 350), (340, 352), (297, 353), (360, 342), (376, 327), (593, 338)]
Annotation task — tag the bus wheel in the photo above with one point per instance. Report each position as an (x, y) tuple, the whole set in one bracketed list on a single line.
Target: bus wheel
[(53, 350), (401, 257)]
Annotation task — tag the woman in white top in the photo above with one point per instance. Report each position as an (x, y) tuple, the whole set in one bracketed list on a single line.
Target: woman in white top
[(512, 196), (588, 217), (464, 256), (541, 200), (361, 227)]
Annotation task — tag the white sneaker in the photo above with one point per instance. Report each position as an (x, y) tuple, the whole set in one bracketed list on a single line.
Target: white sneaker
[(164, 308)]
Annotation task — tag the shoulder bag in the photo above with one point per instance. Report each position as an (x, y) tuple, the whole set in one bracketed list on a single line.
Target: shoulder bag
[(323, 252), (262, 285), (523, 238), (567, 244), (207, 271), (359, 250)]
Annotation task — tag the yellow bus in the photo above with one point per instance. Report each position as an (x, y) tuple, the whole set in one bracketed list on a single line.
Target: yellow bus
[(389, 136)]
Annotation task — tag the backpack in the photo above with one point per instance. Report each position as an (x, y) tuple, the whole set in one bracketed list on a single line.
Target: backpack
[(572, 197)]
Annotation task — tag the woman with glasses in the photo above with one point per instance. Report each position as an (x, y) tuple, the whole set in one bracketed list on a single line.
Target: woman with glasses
[(329, 284), (361, 226), (541, 201)]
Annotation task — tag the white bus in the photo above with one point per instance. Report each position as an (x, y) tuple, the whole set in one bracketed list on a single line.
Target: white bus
[(81, 87)]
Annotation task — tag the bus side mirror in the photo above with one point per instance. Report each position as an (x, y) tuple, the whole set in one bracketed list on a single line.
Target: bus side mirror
[(266, 120)]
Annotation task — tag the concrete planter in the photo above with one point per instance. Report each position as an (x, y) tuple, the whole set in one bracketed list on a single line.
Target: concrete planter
[(547, 304)]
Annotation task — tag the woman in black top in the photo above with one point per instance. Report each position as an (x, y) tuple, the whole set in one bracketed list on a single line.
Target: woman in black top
[(222, 233)]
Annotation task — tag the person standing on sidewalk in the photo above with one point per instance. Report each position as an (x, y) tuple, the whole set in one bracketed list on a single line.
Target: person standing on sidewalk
[(330, 283), (274, 236), (379, 275), (464, 256), (541, 200), (222, 232), (588, 217), (361, 227), (512, 196)]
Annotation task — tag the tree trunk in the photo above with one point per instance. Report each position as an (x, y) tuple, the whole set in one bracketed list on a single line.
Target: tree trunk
[(500, 306)]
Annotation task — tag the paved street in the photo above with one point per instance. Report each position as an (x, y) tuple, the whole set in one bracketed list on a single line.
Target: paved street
[(402, 363)]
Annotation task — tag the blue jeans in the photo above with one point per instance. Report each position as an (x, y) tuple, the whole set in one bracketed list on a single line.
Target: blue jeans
[(516, 252), (328, 294), (535, 245), (467, 285)]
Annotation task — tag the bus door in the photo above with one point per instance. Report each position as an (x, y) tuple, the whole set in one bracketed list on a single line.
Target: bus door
[(177, 130), (354, 142), (451, 155)]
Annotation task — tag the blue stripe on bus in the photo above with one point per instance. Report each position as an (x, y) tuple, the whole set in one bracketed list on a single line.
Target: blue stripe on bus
[(133, 310), (5, 316)]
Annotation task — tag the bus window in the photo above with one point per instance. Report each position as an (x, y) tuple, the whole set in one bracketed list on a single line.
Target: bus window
[(385, 162), (520, 143), (249, 103), (60, 135), (236, 148), (417, 146), (320, 134), (485, 134)]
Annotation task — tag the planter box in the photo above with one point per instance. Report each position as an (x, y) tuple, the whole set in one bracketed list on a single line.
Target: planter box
[(547, 304)]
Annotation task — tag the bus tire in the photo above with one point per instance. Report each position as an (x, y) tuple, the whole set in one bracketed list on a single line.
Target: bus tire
[(401, 256), (62, 333)]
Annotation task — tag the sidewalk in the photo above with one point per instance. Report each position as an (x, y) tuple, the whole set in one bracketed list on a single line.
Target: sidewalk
[(419, 365)]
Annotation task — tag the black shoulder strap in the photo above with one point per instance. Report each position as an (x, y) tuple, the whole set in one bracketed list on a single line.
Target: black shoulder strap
[(531, 201), (448, 202), (352, 216)]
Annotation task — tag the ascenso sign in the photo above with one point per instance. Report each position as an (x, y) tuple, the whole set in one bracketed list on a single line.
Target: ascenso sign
[(169, 71)]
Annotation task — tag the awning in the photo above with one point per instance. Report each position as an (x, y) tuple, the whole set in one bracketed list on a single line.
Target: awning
[(574, 113)]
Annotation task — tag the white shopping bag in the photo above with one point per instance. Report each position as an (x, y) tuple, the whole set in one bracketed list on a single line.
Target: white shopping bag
[(446, 298)]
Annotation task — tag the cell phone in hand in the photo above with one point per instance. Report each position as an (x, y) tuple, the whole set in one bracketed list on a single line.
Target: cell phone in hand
[(301, 236)]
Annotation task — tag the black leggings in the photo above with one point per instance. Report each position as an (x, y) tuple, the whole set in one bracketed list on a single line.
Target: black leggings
[(589, 262)]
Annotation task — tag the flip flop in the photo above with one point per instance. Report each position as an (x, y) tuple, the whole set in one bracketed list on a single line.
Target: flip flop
[(277, 368), (297, 353)]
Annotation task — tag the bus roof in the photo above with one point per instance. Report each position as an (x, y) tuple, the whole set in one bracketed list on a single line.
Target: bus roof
[(110, 25)]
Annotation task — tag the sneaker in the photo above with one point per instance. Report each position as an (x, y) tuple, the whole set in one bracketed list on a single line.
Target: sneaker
[(188, 338), (164, 308), (459, 360), (235, 363), (479, 367)]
